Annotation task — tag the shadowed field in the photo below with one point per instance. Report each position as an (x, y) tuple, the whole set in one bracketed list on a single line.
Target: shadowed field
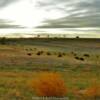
[(78, 60)]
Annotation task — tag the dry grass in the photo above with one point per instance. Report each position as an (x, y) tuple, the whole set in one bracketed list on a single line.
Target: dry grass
[(17, 68), (90, 93), (49, 84), (93, 91)]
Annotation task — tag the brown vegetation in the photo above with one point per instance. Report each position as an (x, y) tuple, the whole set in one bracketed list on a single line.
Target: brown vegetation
[(49, 84)]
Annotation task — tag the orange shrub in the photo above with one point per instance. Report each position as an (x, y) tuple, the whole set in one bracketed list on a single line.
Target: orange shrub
[(93, 91), (49, 84)]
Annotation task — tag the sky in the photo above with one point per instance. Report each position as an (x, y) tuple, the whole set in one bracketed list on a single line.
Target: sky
[(76, 15)]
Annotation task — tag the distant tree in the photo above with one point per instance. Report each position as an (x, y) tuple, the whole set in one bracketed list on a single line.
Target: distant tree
[(48, 36), (77, 37), (38, 36), (3, 40), (64, 36)]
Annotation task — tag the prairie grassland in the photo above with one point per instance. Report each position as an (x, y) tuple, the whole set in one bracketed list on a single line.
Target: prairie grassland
[(21, 60)]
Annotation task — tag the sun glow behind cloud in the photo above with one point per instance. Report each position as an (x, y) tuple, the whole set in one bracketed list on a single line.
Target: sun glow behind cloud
[(72, 16), (25, 13), (22, 13)]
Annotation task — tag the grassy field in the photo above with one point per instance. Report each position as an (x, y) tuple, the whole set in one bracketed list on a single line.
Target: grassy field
[(77, 60)]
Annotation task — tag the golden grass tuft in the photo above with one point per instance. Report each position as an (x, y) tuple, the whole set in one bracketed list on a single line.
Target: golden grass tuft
[(49, 84), (92, 92)]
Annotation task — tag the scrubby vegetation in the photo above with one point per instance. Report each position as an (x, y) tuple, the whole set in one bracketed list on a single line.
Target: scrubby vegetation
[(48, 53), (60, 55), (49, 84), (86, 55), (77, 58), (22, 61), (82, 59), (29, 54), (39, 52)]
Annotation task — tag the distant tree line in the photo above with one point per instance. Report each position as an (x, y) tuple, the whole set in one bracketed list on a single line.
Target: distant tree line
[(3, 40)]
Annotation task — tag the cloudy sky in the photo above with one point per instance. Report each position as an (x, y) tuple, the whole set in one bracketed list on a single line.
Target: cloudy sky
[(59, 14)]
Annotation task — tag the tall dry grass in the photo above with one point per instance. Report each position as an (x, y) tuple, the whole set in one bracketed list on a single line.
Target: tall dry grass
[(49, 84), (90, 93)]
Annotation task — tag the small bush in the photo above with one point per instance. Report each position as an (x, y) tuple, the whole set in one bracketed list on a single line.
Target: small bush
[(26, 49), (82, 59), (97, 56), (29, 54), (92, 92), (55, 53), (63, 54), (77, 58), (86, 55), (60, 55), (73, 53), (48, 53), (35, 48), (39, 52), (49, 84), (31, 49)]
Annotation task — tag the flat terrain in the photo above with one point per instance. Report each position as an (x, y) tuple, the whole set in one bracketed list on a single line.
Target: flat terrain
[(78, 60)]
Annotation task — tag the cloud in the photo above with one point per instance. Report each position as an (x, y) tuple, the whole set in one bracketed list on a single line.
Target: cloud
[(76, 13), (8, 24), (4, 3), (58, 13)]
